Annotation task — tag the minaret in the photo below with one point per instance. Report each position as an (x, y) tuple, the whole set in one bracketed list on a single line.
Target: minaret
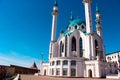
[(54, 22), (98, 22), (53, 33), (87, 4)]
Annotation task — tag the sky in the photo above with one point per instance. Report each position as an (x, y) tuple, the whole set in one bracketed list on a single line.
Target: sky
[(25, 27)]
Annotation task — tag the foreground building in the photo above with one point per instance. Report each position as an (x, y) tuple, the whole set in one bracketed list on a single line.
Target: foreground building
[(78, 52), (113, 60), (7, 71)]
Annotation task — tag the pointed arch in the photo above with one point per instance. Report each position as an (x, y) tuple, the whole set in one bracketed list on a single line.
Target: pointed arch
[(60, 48), (81, 47), (96, 48), (73, 47), (65, 45)]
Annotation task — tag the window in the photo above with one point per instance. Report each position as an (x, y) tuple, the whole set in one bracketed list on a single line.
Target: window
[(69, 28), (96, 48), (60, 48), (65, 71), (73, 63), (65, 45), (75, 26), (65, 62), (73, 72), (53, 71), (53, 63), (58, 62), (82, 27), (81, 51), (73, 44), (58, 71)]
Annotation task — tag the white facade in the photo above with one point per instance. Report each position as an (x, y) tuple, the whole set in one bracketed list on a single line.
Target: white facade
[(113, 62), (78, 52)]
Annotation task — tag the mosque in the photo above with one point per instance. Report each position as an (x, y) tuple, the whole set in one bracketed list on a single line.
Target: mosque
[(79, 51)]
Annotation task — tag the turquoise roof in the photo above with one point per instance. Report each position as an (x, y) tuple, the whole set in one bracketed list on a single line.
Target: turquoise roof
[(76, 21)]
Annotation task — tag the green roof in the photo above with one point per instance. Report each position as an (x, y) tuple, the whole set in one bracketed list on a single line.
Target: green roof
[(76, 21)]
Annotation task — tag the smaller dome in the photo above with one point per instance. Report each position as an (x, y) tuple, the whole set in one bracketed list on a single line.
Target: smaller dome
[(76, 22)]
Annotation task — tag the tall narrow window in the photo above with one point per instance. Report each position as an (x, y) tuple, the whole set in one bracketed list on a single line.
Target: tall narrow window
[(65, 45), (60, 48), (73, 44), (96, 48), (65, 71), (73, 72), (81, 47)]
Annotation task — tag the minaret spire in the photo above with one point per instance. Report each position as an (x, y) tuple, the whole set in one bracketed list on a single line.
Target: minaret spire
[(98, 22), (56, 4), (71, 17)]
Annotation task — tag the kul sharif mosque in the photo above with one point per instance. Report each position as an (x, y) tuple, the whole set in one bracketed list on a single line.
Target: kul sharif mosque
[(78, 51)]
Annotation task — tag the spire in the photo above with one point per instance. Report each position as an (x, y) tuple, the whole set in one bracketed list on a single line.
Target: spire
[(34, 66), (98, 17), (71, 17), (56, 4), (97, 9), (98, 22)]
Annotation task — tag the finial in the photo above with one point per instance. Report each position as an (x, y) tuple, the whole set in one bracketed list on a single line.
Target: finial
[(97, 9), (71, 17), (56, 4)]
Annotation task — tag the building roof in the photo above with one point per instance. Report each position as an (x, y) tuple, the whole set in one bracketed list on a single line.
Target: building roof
[(34, 66), (76, 22)]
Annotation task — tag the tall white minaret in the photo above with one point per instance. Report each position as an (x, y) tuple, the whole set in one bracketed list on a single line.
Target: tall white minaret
[(98, 22), (53, 33), (87, 4), (54, 21)]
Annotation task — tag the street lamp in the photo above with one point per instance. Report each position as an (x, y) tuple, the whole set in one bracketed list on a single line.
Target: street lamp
[(42, 55)]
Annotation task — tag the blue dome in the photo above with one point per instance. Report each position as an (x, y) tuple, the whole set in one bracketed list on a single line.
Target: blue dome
[(76, 21)]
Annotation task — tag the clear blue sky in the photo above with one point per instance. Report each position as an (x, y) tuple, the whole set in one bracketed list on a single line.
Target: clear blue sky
[(25, 27)]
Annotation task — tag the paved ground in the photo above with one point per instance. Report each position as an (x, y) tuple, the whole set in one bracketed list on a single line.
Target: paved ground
[(32, 77)]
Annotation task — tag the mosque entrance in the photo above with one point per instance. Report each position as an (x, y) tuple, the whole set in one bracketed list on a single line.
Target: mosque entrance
[(45, 72), (90, 73)]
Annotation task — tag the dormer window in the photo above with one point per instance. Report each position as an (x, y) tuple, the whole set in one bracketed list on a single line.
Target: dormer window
[(69, 28), (82, 27), (75, 26)]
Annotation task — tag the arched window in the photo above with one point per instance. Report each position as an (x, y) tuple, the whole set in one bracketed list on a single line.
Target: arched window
[(60, 48), (65, 45), (96, 47), (73, 44), (81, 47)]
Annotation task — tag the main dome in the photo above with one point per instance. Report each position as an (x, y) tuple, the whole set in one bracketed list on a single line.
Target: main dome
[(76, 22)]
